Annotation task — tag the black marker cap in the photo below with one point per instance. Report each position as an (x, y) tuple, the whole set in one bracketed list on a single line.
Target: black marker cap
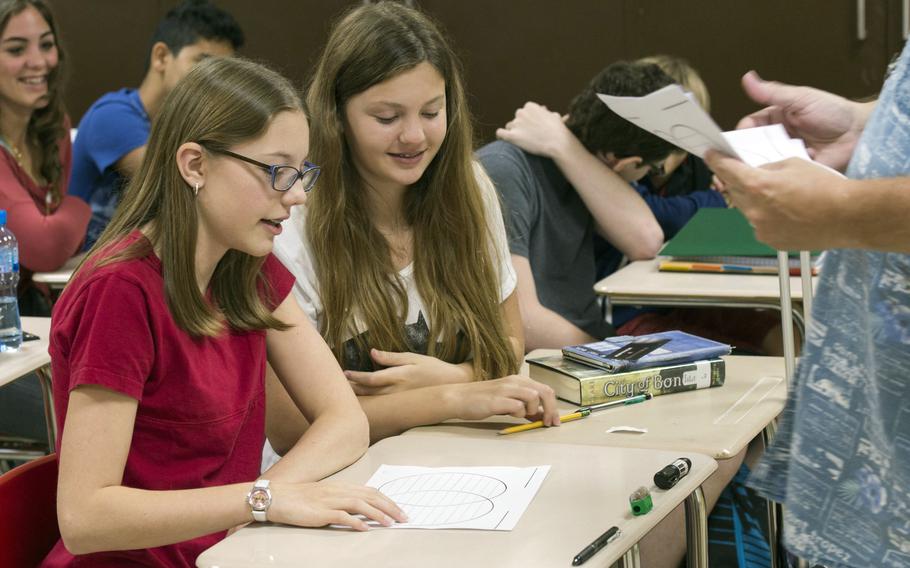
[(671, 474)]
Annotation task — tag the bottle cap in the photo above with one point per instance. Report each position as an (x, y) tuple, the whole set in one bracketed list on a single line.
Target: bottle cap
[(2, 217), (640, 501)]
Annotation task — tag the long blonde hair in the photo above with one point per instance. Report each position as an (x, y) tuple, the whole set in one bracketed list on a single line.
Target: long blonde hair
[(683, 73), (455, 271), (222, 102)]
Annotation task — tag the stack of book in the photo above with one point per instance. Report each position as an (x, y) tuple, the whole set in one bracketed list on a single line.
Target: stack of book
[(624, 366), (721, 240)]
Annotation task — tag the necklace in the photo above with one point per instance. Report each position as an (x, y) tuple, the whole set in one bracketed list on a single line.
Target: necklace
[(17, 153), (14, 150)]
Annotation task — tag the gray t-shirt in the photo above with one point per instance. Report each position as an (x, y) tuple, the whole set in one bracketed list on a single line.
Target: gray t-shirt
[(548, 223)]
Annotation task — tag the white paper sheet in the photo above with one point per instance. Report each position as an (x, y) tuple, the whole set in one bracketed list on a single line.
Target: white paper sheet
[(486, 498), (672, 114)]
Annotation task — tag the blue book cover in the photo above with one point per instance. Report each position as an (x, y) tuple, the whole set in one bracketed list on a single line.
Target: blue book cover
[(628, 353)]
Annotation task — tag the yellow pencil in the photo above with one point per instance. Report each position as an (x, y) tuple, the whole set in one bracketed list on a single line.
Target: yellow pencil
[(539, 424)]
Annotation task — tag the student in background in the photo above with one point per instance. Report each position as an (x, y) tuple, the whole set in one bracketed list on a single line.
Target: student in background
[(400, 258), (159, 343), (113, 133), (675, 192), (554, 205), (34, 176), (36, 152)]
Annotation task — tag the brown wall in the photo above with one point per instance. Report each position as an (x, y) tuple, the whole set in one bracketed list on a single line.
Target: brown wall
[(519, 50)]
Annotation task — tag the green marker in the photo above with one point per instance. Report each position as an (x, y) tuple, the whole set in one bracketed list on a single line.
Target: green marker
[(622, 402)]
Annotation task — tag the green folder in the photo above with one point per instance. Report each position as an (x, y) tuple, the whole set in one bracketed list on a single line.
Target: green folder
[(717, 232)]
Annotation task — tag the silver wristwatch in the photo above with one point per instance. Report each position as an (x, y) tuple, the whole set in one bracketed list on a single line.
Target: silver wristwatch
[(260, 499)]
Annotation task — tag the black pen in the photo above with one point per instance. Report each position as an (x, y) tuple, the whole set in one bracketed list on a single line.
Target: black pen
[(593, 548)]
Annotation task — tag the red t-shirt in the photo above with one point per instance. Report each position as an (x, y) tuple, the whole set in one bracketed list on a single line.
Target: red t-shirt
[(201, 415)]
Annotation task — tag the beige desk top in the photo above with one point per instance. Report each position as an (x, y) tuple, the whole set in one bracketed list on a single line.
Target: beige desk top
[(585, 493), (641, 280), (718, 421), (59, 278), (31, 356)]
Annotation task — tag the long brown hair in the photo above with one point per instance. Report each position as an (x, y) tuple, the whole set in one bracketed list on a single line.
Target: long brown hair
[(455, 267), (222, 102), (46, 125)]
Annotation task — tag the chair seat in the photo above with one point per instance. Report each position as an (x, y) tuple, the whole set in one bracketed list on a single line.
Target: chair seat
[(28, 522)]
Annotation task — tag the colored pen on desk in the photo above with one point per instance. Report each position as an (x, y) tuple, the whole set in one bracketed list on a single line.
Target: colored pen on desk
[(621, 402), (577, 415), (677, 266), (603, 540)]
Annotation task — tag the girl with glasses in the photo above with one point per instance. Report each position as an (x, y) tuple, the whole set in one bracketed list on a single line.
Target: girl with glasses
[(159, 343), (400, 256)]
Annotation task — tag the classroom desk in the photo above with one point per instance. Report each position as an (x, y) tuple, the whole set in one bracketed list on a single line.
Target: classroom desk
[(33, 357), (58, 279), (640, 283), (719, 421), (585, 493)]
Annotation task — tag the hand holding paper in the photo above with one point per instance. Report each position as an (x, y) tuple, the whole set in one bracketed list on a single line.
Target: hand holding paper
[(829, 124), (790, 204), (779, 194)]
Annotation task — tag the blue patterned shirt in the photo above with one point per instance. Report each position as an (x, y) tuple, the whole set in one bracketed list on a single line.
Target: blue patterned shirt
[(841, 460)]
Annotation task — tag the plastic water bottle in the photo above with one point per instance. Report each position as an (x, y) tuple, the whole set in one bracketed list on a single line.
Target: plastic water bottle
[(10, 325)]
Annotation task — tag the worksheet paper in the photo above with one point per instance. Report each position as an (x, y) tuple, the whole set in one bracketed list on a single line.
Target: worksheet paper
[(485, 498), (672, 114)]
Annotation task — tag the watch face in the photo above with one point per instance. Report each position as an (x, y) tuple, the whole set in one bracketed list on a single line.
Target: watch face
[(260, 499)]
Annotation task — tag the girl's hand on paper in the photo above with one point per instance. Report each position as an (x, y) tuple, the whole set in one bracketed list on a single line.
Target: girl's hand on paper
[(331, 503), (404, 371), (514, 395)]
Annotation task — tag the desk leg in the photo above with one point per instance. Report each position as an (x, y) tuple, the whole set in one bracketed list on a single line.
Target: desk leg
[(631, 558), (696, 530), (50, 417), (606, 310)]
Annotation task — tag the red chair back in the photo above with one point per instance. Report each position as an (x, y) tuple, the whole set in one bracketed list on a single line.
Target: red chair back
[(28, 513)]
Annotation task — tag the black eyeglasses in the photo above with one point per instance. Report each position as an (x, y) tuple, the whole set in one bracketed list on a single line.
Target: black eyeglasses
[(283, 177)]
